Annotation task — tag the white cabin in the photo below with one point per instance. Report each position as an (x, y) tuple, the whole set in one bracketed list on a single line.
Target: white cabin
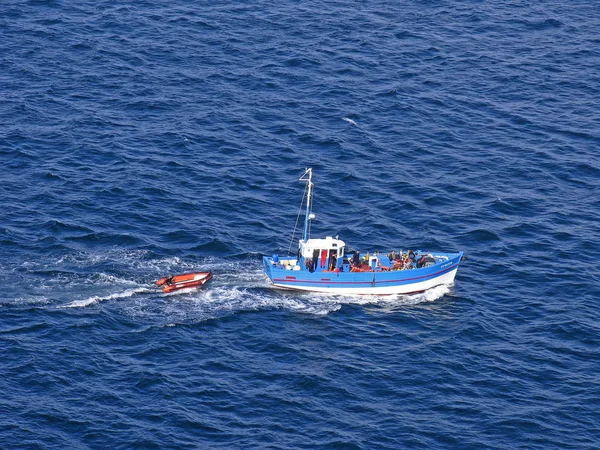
[(325, 253)]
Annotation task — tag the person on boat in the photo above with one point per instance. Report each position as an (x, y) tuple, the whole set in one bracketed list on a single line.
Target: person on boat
[(310, 265), (315, 258), (332, 262), (411, 260), (425, 260), (356, 259), (169, 280)]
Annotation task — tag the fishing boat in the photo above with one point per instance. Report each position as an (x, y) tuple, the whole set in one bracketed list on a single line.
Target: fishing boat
[(184, 281), (325, 265)]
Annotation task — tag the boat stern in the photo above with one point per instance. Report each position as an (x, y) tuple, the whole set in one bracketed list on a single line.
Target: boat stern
[(267, 264), (276, 266)]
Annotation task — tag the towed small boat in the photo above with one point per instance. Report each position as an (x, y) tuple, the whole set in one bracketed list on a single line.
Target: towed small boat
[(322, 265), (184, 281)]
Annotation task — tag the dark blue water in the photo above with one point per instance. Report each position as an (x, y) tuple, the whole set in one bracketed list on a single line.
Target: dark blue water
[(139, 139)]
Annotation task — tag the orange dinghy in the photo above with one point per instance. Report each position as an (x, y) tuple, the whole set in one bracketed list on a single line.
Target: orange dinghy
[(184, 281)]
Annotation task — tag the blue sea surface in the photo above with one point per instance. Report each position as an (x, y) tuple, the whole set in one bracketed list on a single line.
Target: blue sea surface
[(140, 139)]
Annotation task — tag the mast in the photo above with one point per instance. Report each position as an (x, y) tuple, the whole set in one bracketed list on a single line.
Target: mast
[(308, 200)]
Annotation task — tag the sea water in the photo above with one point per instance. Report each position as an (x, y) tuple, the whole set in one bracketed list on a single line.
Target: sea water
[(142, 139)]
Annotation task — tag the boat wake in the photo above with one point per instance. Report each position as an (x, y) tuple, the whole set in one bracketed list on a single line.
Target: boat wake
[(95, 299), (238, 285), (430, 295)]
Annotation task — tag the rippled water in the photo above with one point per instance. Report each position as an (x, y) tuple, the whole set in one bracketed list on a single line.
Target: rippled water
[(140, 139)]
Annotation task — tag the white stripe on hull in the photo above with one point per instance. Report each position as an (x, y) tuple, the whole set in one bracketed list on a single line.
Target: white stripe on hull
[(383, 290)]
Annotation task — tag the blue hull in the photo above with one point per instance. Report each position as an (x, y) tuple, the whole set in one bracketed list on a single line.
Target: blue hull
[(376, 282)]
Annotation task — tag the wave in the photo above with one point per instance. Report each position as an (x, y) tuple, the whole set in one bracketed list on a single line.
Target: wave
[(96, 299), (430, 295)]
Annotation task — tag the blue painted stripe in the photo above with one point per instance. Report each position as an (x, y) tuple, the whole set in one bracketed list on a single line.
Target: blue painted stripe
[(402, 281)]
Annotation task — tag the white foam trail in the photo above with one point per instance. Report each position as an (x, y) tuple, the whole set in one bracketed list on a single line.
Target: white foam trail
[(436, 292), (97, 298), (222, 294), (32, 300), (429, 295), (112, 280), (350, 121), (236, 286)]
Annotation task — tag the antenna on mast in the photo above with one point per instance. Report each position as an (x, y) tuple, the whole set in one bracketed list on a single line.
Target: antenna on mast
[(308, 178)]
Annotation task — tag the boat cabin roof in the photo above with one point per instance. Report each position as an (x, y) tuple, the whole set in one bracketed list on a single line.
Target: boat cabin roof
[(322, 244)]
